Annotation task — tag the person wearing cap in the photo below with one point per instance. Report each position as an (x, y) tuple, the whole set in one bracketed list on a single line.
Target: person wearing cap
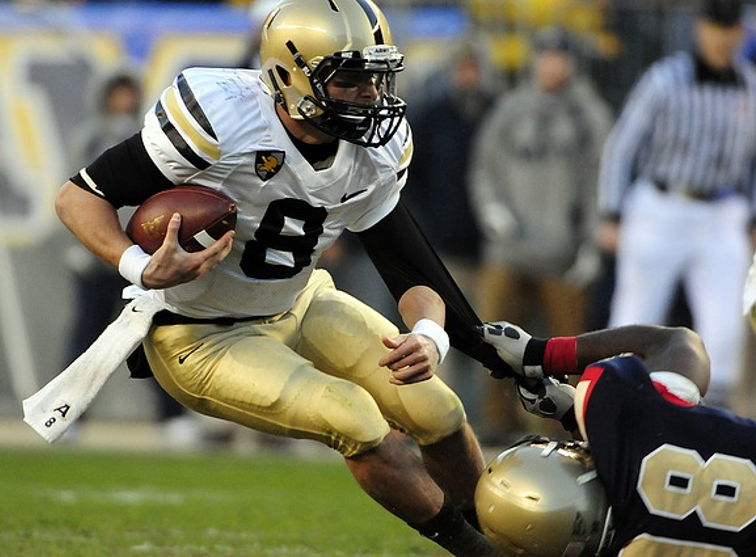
[(533, 172), (676, 191)]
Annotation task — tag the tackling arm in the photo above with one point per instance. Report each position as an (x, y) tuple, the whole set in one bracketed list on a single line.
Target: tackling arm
[(676, 349)]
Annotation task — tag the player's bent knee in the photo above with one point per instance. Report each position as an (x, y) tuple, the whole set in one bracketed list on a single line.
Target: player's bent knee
[(434, 412), (354, 421)]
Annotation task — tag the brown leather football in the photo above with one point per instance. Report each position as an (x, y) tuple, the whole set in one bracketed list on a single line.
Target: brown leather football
[(205, 216)]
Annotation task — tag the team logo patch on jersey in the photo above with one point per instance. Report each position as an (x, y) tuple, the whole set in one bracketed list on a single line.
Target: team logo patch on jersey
[(268, 163)]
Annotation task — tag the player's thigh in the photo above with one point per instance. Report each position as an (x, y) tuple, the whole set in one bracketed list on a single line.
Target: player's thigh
[(259, 382), (342, 336)]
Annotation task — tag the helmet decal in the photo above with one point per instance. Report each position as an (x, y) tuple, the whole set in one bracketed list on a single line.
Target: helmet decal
[(374, 23)]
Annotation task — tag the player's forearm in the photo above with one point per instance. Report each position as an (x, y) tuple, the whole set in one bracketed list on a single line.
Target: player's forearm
[(93, 221), (662, 348), (421, 302), (642, 340)]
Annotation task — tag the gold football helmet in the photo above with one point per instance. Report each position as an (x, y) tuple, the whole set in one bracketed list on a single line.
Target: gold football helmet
[(304, 43), (542, 498)]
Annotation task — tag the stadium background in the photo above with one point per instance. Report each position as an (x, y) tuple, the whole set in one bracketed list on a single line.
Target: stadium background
[(49, 53)]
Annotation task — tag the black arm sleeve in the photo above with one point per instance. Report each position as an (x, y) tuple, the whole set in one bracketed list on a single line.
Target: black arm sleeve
[(405, 258), (124, 174)]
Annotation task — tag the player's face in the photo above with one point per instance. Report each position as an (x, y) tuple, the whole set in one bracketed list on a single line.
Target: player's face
[(356, 87), (717, 44)]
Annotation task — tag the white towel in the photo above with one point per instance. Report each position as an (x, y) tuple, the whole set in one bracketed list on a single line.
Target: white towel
[(57, 405)]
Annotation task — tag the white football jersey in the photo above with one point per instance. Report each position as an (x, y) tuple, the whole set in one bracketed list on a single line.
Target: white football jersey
[(218, 128)]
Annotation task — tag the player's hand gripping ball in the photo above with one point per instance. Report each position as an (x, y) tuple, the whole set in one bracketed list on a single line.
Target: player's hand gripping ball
[(205, 216)]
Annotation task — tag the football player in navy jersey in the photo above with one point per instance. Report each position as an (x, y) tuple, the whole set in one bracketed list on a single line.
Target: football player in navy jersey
[(680, 476), (312, 144)]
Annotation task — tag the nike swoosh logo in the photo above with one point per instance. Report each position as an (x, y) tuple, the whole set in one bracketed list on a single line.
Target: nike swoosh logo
[(347, 196), (135, 310), (183, 358)]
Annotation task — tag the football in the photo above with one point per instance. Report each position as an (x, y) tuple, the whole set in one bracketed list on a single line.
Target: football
[(205, 216)]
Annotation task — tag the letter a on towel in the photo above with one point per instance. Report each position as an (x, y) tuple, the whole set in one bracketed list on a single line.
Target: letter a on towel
[(57, 405)]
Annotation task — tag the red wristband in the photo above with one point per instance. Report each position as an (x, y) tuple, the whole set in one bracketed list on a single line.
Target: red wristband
[(560, 355)]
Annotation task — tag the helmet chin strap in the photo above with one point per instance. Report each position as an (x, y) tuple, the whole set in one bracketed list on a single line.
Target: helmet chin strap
[(302, 129), (278, 98), (336, 126)]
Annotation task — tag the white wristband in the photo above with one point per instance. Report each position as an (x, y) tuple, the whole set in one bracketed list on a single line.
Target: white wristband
[(132, 264), (436, 333)]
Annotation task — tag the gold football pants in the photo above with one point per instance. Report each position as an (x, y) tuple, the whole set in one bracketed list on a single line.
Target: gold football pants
[(311, 372)]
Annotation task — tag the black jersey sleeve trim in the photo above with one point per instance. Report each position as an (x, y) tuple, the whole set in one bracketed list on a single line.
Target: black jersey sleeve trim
[(194, 108), (124, 174), (177, 140), (79, 180), (404, 258)]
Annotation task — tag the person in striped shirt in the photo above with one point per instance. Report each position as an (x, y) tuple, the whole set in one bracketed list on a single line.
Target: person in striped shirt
[(676, 190)]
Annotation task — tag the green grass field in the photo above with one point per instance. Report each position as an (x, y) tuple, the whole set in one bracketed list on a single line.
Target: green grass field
[(63, 502)]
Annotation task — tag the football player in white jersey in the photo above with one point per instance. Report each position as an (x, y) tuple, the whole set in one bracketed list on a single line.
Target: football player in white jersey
[(314, 143)]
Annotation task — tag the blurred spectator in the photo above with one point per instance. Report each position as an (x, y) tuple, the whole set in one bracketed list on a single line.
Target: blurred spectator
[(116, 102), (437, 191), (677, 190), (534, 183)]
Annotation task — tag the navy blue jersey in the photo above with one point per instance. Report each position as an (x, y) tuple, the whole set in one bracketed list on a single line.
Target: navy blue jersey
[(681, 478)]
